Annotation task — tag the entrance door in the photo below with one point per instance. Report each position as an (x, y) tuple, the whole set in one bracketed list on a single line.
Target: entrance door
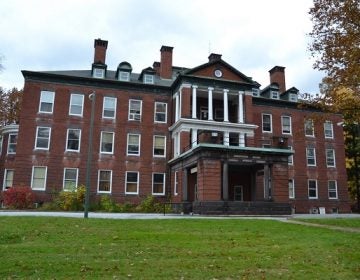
[(238, 193)]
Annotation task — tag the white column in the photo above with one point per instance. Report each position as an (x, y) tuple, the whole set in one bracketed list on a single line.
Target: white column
[(193, 137), (177, 149), (194, 101), (226, 138), (241, 140), (241, 107), (226, 109), (210, 104), (176, 106)]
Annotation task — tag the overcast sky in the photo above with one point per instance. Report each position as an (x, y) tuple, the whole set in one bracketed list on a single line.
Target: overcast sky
[(253, 36)]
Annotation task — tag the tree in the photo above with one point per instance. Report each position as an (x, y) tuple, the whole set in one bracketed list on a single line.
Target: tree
[(10, 105), (336, 48)]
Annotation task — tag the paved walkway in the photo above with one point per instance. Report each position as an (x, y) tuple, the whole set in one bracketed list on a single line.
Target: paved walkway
[(346, 229)]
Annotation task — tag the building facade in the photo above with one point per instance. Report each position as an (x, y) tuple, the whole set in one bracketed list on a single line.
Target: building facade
[(206, 139)]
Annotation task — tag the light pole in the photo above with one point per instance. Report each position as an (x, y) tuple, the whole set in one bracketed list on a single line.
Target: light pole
[(92, 97)]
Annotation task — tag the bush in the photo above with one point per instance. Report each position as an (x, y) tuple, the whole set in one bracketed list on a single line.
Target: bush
[(149, 205), (72, 200), (19, 198), (108, 205)]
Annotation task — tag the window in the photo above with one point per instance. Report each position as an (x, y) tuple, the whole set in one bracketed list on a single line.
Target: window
[(291, 188), (70, 179), (293, 97), (73, 140), (311, 156), (132, 182), (219, 114), (274, 94), (76, 105), (266, 123), (133, 144), (104, 181), (107, 142), (286, 124), (135, 110), (332, 189), (176, 182), (38, 181), (99, 73), (109, 107), (159, 146), (42, 141), (46, 102), (124, 76), (330, 157), (158, 184), (309, 127), (8, 179), (12, 142), (148, 79), (312, 189), (328, 130), (291, 158), (160, 112), (255, 92)]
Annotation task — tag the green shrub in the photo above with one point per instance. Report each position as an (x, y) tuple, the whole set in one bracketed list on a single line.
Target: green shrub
[(108, 205), (72, 200), (149, 205)]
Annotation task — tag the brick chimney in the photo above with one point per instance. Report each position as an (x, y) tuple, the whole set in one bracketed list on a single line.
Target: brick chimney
[(100, 51), (277, 75), (166, 62), (214, 56)]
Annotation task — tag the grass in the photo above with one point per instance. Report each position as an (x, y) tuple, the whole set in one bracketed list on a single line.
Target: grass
[(340, 222), (70, 248)]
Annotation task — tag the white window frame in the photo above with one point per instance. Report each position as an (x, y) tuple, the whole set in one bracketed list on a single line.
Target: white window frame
[(336, 189), (154, 141), (308, 157), (137, 182), (112, 142), (6, 180), (291, 188), (316, 189), (98, 73), (283, 125), (37, 138), (114, 99), (127, 145), (70, 180), (148, 79), (308, 121), (274, 94), (155, 112), (124, 76), (328, 129), (255, 92), (98, 183), (72, 97), (32, 178), (176, 182), (67, 140), (42, 97), (330, 158), (134, 116), (293, 97), (12, 143), (163, 183), (262, 122), (291, 157)]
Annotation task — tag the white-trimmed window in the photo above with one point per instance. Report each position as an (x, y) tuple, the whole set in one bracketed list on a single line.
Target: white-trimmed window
[(330, 158), (135, 107), (12, 142), (148, 79), (293, 97), (107, 142), (160, 115), (290, 158), (291, 188), (311, 156), (176, 183), (99, 73), (38, 181), (132, 182), (328, 130), (332, 189), (104, 181), (312, 189), (42, 141), (70, 179), (46, 102), (274, 94), (73, 140), (266, 122), (255, 92), (159, 149), (133, 144), (124, 76), (109, 107), (158, 186), (8, 179), (76, 105), (309, 128), (286, 124)]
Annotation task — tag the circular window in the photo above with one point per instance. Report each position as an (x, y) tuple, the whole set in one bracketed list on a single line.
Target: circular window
[(218, 73)]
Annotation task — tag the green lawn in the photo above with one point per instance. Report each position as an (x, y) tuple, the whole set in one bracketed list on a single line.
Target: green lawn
[(340, 222), (70, 248)]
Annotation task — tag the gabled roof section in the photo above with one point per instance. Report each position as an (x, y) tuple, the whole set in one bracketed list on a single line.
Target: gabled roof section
[(148, 70)]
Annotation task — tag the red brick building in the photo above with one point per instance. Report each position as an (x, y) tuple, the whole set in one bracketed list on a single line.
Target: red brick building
[(207, 138)]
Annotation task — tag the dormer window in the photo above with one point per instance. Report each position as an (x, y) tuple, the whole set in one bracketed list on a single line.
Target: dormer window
[(274, 94), (99, 73), (124, 76), (148, 79), (255, 92), (293, 97)]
